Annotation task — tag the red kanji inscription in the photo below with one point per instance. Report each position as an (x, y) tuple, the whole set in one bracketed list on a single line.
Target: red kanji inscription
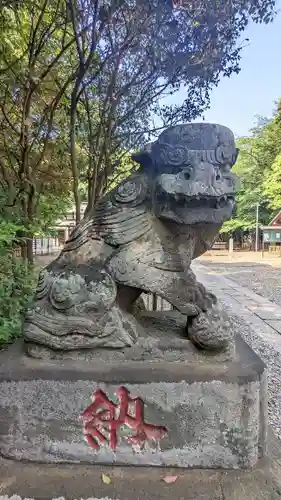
[(103, 419)]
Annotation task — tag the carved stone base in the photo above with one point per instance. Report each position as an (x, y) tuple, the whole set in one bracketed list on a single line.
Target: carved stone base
[(214, 410), (161, 336)]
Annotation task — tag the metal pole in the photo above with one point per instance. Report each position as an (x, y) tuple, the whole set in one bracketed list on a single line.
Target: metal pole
[(257, 228)]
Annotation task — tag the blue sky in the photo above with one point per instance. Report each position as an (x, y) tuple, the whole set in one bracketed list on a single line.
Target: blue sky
[(237, 99)]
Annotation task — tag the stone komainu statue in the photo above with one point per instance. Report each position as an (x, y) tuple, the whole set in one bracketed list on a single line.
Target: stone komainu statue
[(141, 237)]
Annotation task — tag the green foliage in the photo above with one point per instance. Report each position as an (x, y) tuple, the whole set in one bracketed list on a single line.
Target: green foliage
[(34, 76), (51, 208), (17, 283), (8, 233), (235, 224), (123, 167), (16, 290), (272, 184), (259, 169)]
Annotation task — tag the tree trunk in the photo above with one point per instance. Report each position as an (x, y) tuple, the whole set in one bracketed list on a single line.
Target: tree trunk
[(75, 171), (23, 251), (28, 208), (29, 250)]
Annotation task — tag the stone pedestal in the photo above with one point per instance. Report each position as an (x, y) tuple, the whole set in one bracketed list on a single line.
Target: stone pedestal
[(214, 409)]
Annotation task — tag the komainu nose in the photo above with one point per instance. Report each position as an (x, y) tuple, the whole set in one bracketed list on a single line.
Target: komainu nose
[(187, 173), (207, 175)]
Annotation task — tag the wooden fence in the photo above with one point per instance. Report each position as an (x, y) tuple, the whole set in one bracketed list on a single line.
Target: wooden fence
[(42, 246), (46, 246)]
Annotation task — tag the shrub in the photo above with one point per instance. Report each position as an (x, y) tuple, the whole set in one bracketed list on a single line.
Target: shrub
[(17, 284)]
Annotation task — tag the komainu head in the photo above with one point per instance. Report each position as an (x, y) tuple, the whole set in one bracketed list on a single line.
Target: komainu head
[(191, 167)]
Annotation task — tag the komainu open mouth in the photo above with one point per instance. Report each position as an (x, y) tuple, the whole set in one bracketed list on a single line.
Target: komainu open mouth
[(205, 201)]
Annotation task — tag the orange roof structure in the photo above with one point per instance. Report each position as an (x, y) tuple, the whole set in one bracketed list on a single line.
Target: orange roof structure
[(276, 221)]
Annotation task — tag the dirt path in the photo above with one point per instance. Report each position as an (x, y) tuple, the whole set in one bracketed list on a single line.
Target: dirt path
[(217, 256)]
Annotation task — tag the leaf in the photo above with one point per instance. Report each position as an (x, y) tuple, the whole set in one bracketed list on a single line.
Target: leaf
[(106, 479), (170, 479)]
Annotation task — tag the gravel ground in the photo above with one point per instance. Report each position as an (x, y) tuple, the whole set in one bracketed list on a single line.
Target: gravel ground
[(265, 281), (261, 279), (272, 359)]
